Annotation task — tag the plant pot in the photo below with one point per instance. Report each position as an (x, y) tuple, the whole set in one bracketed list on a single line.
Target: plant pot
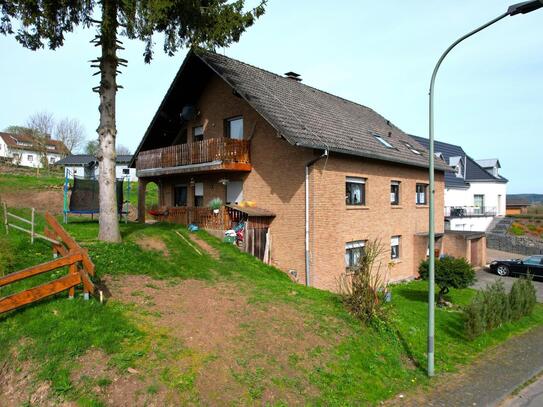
[(216, 211)]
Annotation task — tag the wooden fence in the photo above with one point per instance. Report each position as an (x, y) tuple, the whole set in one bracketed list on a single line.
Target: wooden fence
[(79, 264), (31, 222), (205, 151)]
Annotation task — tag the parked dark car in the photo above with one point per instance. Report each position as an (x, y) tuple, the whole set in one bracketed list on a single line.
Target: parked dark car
[(532, 265)]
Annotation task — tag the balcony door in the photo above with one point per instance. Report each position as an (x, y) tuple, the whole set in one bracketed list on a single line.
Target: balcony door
[(180, 195), (479, 203)]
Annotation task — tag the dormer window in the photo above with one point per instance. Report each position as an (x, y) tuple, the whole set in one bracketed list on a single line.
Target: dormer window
[(383, 141)]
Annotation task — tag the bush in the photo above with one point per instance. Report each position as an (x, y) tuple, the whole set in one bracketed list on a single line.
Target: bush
[(363, 290), (522, 298), (450, 272), (493, 307)]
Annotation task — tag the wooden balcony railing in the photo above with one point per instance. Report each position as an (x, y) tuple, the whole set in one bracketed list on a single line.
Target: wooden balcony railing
[(204, 217), (205, 151)]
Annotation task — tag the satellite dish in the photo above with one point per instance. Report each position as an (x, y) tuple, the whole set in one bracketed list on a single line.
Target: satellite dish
[(188, 113)]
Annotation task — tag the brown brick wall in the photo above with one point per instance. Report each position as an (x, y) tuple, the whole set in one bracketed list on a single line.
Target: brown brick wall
[(276, 183), (335, 223)]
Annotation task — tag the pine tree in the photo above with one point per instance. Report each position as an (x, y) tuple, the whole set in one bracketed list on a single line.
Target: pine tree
[(183, 23)]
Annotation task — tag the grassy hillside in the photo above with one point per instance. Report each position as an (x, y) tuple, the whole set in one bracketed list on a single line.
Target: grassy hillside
[(216, 328)]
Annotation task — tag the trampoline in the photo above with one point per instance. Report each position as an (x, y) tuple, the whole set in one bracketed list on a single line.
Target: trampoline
[(84, 199)]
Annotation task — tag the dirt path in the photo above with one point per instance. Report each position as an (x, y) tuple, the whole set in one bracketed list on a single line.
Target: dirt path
[(205, 246), (234, 351)]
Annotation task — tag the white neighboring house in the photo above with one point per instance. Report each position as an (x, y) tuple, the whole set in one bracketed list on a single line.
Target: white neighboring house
[(86, 166), (475, 192), (22, 149)]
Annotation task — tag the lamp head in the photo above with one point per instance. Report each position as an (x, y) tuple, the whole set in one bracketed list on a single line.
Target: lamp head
[(524, 7)]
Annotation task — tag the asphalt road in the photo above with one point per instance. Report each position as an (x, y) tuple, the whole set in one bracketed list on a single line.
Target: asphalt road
[(530, 396)]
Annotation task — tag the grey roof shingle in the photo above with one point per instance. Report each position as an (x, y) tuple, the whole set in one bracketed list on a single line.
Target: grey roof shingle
[(474, 172), (309, 117), (303, 115)]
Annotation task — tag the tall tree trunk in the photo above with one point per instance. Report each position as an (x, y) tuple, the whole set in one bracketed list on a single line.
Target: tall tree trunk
[(109, 223)]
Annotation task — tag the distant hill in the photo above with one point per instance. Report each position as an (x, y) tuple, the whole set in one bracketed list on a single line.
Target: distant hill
[(532, 198)]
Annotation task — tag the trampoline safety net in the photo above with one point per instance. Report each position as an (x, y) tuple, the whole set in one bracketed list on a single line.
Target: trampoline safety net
[(84, 197)]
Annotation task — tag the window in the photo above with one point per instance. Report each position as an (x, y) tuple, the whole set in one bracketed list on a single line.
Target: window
[(383, 141), (355, 191), (180, 195), (234, 128), (421, 194), (234, 192), (30, 158), (536, 260), (198, 133), (395, 247), (479, 203), (413, 149), (126, 171), (51, 160), (395, 193), (199, 194), (354, 251)]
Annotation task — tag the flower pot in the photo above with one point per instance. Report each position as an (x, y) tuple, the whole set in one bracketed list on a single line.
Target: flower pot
[(216, 211)]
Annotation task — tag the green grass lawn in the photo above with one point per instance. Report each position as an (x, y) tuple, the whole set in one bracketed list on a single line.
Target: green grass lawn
[(355, 365)]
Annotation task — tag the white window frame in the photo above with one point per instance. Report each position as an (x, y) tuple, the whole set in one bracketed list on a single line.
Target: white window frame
[(395, 200), (395, 241), (418, 194), (413, 149), (383, 141), (229, 122), (356, 180), (350, 250)]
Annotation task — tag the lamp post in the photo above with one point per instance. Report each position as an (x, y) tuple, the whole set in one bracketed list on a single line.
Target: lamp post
[(519, 8)]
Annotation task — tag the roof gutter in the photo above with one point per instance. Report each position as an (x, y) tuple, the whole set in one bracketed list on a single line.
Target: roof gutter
[(307, 254)]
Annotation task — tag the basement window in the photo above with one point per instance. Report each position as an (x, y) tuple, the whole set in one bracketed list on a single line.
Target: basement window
[(383, 141), (395, 247), (354, 252)]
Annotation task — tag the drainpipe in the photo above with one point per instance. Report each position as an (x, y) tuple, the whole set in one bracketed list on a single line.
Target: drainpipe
[(307, 257)]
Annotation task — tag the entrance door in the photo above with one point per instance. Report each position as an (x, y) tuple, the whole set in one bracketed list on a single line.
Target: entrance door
[(180, 195)]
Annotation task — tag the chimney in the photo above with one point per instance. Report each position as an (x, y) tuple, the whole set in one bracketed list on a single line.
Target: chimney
[(294, 76)]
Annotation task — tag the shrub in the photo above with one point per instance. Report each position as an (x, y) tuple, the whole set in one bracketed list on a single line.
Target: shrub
[(522, 298), (450, 272), (363, 290), (493, 307), (516, 229)]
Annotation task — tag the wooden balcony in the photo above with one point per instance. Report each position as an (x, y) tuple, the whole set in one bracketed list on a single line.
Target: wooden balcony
[(217, 154)]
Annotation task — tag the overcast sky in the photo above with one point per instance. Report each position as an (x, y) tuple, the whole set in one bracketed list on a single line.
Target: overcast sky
[(489, 92)]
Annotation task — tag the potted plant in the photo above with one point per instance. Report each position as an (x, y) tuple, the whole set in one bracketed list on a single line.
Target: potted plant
[(215, 204)]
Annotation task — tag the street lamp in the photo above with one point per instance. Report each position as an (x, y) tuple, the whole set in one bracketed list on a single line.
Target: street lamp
[(519, 8)]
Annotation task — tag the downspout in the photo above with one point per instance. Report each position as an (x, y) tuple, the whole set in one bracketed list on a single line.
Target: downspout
[(307, 256)]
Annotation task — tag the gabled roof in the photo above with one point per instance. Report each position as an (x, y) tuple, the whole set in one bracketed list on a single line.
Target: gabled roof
[(303, 115), (86, 159), (473, 171), (28, 142)]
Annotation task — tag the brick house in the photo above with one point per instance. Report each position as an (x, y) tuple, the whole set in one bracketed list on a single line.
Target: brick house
[(325, 174)]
